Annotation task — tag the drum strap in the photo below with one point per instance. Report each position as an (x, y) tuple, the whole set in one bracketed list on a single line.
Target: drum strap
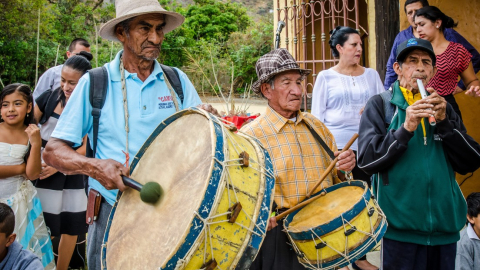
[(321, 142)]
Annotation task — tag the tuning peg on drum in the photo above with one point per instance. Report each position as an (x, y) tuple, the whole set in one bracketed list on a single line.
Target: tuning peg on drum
[(149, 193)]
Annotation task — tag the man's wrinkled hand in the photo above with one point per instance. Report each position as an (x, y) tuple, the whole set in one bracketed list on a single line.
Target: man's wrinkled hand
[(209, 108), (415, 113), (439, 105), (272, 223), (346, 160), (108, 172)]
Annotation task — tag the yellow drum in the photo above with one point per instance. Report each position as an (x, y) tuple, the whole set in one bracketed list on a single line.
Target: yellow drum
[(217, 199), (338, 228)]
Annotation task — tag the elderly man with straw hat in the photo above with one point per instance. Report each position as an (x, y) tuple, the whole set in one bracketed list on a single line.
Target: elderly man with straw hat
[(139, 96), (299, 159)]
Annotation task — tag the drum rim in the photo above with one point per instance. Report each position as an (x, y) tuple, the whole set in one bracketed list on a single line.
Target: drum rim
[(334, 224), (381, 229), (253, 246)]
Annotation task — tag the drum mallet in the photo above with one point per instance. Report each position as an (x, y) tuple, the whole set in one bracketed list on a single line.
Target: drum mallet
[(149, 193), (298, 206), (330, 167)]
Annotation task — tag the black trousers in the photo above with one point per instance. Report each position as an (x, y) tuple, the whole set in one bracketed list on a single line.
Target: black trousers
[(276, 252), (398, 255)]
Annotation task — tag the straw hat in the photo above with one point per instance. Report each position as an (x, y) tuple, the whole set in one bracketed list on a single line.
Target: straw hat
[(127, 9), (273, 63)]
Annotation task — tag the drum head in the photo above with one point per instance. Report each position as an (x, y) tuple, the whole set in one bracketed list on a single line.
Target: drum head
[(326, 208), (179, 158)]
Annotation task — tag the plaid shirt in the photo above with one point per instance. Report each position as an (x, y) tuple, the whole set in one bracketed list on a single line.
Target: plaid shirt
[(298, 159)]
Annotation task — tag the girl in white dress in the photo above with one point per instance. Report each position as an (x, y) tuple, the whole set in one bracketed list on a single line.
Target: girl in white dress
[(20, 161)]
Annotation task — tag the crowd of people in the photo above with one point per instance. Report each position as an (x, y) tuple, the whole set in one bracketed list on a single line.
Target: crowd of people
[(55, 139)]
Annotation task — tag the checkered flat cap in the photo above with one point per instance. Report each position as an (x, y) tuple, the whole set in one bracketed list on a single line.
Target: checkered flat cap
[(273, 63)]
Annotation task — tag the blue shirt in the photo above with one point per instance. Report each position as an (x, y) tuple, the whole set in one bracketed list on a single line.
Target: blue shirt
[(450, 35), (149, 103)]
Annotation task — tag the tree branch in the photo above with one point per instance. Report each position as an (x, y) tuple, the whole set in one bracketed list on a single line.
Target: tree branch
[(98, 4)]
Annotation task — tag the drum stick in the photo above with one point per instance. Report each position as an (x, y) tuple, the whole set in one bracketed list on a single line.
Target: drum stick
[(298, 206), (149, 193), (330, 167), (423, 93)]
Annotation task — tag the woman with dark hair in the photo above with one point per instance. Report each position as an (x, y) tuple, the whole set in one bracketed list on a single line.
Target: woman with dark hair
[(62, 196), (341, 92), (453, 59)]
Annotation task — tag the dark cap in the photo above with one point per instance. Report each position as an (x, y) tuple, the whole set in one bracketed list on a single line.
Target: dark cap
[(415, 44)]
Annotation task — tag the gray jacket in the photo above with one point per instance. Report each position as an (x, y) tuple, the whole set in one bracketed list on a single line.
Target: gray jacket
[(468, 250), (19, 259)]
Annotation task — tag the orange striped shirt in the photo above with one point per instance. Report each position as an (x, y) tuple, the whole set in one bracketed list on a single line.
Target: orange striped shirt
[(298, 159)]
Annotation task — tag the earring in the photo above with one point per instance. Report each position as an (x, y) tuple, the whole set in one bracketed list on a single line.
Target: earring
[(437, 26), (27, 114)]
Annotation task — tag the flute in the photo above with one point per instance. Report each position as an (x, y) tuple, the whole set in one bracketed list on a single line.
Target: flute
[(423, 92)]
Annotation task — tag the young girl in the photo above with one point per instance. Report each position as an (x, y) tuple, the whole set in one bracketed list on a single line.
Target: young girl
[(62, 196), (20, 144)]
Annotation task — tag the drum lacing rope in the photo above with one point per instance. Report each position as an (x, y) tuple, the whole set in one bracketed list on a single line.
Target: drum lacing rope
[(225, 176), (369, 216), (206, 230), (225, 164), (243, 210), (267, 172), (372, 238), (223, 124), (319, 265), (207, 221)]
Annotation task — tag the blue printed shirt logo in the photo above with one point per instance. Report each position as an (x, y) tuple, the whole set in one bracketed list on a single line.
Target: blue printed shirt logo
[(412, 42)]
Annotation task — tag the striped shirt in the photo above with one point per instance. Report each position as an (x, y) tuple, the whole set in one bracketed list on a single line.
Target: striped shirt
[(450, 64), (298, 159)]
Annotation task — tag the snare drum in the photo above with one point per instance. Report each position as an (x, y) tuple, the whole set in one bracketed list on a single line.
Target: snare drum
[(338, 228), (218, 193)]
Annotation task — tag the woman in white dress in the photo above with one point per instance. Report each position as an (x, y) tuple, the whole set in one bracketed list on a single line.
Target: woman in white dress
[(341, 92)]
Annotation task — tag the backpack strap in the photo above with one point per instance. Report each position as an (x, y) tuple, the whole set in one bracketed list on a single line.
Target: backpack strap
[(388, 113), (174, 79), (98, 93), (388, 108)]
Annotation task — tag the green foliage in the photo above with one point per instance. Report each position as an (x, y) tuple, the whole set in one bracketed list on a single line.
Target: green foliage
[(216, 20), (246, 48), (217, 37), (60, 23), (215, 33)]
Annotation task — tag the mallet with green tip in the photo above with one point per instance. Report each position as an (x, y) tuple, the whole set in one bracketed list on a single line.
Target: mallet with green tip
[(149, 193)]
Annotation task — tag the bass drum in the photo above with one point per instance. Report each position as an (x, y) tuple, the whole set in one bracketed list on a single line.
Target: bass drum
[(214, 211)]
